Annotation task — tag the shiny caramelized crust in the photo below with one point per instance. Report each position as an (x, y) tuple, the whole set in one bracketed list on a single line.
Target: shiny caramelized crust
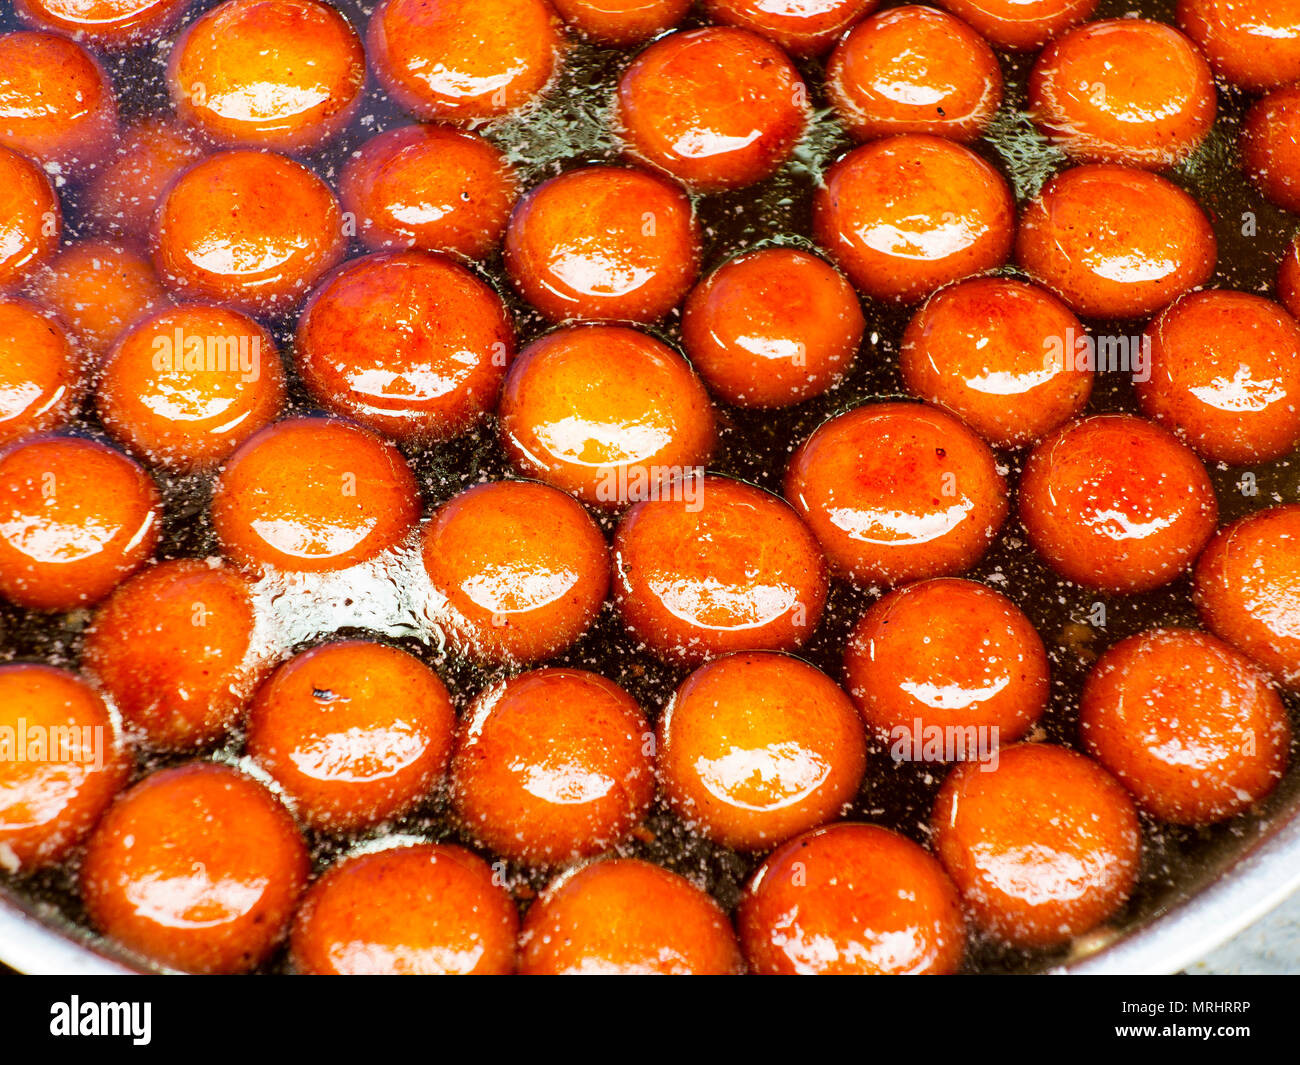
[(112, 25), (552, 765), (521, 567), (621, 23), (1187, 724), (64, 764), (428, 909), (1253, 44), (896, 492), (851, 899), (717, 565), (121, 197), (1269, 149), (1020, 25), (1115, 503), (804, 28), (30, 217), (197, 868), (757, 747), (40, 371), (1043, 848), (624, 916)]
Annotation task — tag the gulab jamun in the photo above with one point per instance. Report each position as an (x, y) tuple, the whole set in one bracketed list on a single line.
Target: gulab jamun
[(111, 25), (31, 219), (1020, 25), (1253, 44), (621, 23), (803, 28), (1269, 152), (41, 371), (121, 198)]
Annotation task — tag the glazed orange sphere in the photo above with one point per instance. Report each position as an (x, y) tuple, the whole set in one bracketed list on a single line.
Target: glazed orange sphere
[(1020, 25), (552, 765), (410, 344), (914, 70), (431, 187), (282, 74), (1254, 44), (251, 229), (772, 327), (624, 916), (108, 24), (803, 28), (757, 747), (1000, 354), (313, 494), (1115, 242), (621, 23), (56, 102), (426, 909), (76, 518), (174, 648), (121, 197), (947, 653), (896, 492), (1225, 376), (1043, 848), (1288, 277), (463, 59), (851, 899), (521, 567), (1123, 91), (603, 243), (716, 108), (30, 217), (1187, 724), (1246, 585), (715, 565), (606, 413), (1268, 147), (355, 733), (197, 868), (904, 215), (98, 289), (1117, 504), (64, 763), (40, 371), (188, 385)]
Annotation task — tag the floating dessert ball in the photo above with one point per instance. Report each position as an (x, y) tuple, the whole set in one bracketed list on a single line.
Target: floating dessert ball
[(1021, 25), (805, 28), (1254, 46), (1268, 147), (31, 220), (122, 196), (621, 23), (41, 371), (112, 25)]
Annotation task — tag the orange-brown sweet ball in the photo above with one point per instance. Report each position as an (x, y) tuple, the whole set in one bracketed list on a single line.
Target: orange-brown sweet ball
[(1225, 376), (552, 765), (851, 899), (282, 74), (61, 762), (355, 733), (427, 909), (56, 102), (40, 371), (606, 413), (1269, 151), (98, 289), (1247, 589), (1000, 354), (313, 494), (521, 568), (805, 28), (896, 492), (947, 653), (624, 916), (905, 215), (757, 747), (1253, 44), (197, 868), (112, 25), (174, 648), (1020, 25), (186, 386), (122, 196), (30, 217), (1117, 504), (621, 23), (716, 108), (1043, 848), (463, 59), (432, 187), (717, 565), (1123, 91), (1288, 277), (603, 243), (1190, 726), (914, 70), (772, 327), (76, 518), (411, 344), (1115, 242), (247, 228)]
